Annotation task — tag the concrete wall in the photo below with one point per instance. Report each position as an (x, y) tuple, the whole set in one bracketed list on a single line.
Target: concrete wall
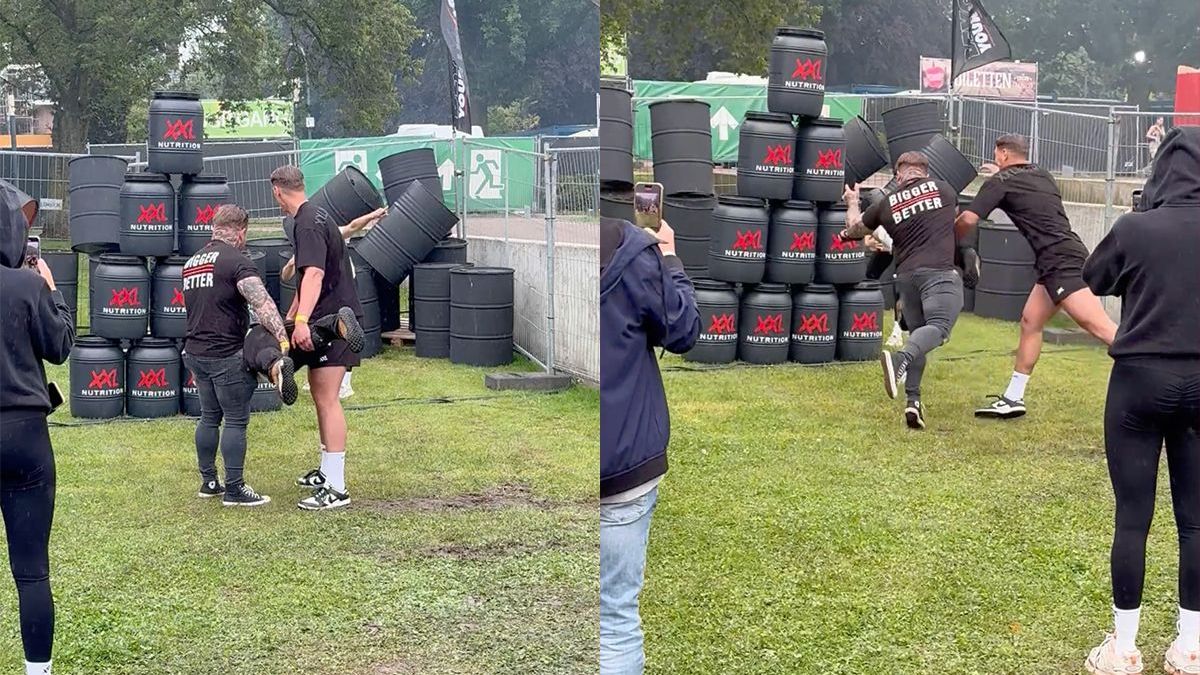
[(577, 299), (1088, 222)]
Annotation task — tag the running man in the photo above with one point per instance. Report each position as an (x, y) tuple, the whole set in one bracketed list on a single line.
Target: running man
[(1029, 195), (919, 217), (324, 288)]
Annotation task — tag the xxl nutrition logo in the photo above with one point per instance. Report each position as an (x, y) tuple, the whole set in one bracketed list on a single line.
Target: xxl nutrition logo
[(151, 218), (102, 383), (768, 330), (124, 302), (203, 219), (152, 383), (813, 328), (864, 326), (803, 246), (179, 135), (721, 329), (747, 244), (778, 159), (806, 75), (175, 305), (844, 250), (827, 165)]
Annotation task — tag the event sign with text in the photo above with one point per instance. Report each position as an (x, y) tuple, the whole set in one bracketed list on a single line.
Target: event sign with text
[(1002, 79)]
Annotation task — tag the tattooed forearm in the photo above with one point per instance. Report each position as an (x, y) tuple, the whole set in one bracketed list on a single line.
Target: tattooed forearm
[(855, 229), (256, 296)]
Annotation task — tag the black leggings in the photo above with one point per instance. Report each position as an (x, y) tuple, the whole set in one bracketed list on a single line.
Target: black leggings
[(1151, 401), (876, 266), (27, 500)]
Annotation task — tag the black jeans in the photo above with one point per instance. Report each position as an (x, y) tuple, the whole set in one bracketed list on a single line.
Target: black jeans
[(225, 387), (27, 500), (1152, 401), (932, 300)]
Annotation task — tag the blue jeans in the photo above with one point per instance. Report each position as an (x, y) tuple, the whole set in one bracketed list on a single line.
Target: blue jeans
[(624, 533), (224, 386)]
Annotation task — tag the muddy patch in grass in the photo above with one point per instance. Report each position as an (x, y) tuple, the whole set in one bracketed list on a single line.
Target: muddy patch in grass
[(505, 496)]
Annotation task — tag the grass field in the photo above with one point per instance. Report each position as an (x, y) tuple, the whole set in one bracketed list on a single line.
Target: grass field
[(471, 546), (803, 528)]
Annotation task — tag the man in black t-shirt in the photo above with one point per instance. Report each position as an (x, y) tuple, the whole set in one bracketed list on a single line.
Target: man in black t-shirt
[(220, 288), (324, 288), (1030, 197), (919, 217)]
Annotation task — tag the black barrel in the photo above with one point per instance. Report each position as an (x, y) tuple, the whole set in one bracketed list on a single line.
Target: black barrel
[(364, 286), (448, 250), (97, 378), (398, 170), (155, 379), (415, 223), (287, 288), (93, 263), (691, 218), (265, 397), (272, 263), (864, 155), (199, 199), (616, 133), (616, 203), (766, 152), (176, 133), (814, 324), (681, 140), (147, 215), (910, 127), (764, 318), (792, 243), (348, 195), (387, 295), (191, 396), (121, 293), (820, 176), (259, 259), (796, 82), (717, 302), (948, 164), (481, 315), (168, 316), (95, 202), (1006, 271), (838, 262), (431, 298), (860, 322), (738, 248), (64, 269)]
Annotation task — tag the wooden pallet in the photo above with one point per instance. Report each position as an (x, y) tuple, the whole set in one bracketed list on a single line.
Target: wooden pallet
[(400, 337)]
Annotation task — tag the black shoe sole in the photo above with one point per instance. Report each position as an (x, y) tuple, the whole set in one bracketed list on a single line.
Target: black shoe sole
[(350, 330), (286, 384)]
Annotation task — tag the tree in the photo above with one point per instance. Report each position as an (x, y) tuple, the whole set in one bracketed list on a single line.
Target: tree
[(507, 119), (868, 45)]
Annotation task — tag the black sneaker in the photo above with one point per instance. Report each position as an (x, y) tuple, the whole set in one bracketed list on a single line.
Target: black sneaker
[(243, 495), (211, 488), (895, 365), (350, 330), (1002, 409), (312, 479), (914, 415), (325, 498), (283, 376)]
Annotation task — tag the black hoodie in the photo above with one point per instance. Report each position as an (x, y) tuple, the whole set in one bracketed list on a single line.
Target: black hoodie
[(1151, 259), (35, 323)]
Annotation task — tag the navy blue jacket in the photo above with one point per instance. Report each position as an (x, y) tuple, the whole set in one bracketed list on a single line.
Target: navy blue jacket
[(646, 301)]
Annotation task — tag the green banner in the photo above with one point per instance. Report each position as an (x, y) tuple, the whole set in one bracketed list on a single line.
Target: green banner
[(501, 172), (728, 105), (247, 119)]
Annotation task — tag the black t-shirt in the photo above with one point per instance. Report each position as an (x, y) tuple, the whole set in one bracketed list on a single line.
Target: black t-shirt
[(919, 216), (217, 315), (319, 244), (1030, 197)]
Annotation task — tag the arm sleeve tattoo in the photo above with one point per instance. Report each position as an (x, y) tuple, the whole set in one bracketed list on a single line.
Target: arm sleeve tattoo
[(256, 296)]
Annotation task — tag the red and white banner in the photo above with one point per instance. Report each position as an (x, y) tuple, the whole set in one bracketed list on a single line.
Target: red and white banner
[(1002, 79)]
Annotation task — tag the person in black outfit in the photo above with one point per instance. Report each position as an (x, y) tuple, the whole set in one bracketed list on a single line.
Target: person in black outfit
[(37, 327), (325, 287), (919, 216), (1029, 195), (220, 288), (1148, 259)]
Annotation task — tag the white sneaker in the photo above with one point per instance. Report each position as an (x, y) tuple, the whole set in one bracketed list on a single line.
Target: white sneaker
[(325, 498), (1104, 660), (345, 392), (1179, 662), (896, 339)]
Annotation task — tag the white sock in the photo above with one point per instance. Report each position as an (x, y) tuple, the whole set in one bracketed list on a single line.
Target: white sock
[(346, 380), (1189, 630), (1126, 628), (37, 668), (896, 329), (1016, 386), (333, 465)]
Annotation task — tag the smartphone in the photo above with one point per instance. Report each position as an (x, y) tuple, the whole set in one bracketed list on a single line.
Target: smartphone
[(33, 251), (56, 397), (647, 205)]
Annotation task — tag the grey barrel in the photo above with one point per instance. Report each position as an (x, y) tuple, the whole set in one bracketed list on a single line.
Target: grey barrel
[(910, 127), (199, 199), (272, 263), (97, 373), (718, 305), (347, 196), (415, 223), (763, 324), (431, 298), (154, 378), (792, 243), (1006, 271), (399, 169), (481, 315), (691, 218), (190, 399), (814, 324), (147, 215), (64, 269), (168, 314), (364, 287), (738, 244), (860, 322), (176, 133), (681, 141), (120, 293), (796, 72), (838, 262), (448, 250), (616, 133), (865, 154), (820, 176), (95, 183), (766, 156), (265, 397)]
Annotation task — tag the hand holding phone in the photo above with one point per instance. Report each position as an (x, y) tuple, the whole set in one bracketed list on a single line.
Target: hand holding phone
[(647, 205), (33, 251)]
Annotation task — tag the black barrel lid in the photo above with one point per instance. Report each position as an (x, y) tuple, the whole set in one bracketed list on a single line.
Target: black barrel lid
[(768, 116), (800, 32), (833, 206), (285, 254), (86, 158), (690, 200), (867, 285), (185, 95), (817, 288), (210, 178), (155, 342), (173, 260), (94, 341), (822, 122), (147, 177), (678, 100), (801, 204), (482, 270), (768, 287), (712, 285), (451, 242), (255, 254), (120, 259), (735, 200), (619, 85), (442, 265)]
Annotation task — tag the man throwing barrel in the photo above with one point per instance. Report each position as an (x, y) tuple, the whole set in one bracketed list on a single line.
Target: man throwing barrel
[(1030, 197), (919, 217)]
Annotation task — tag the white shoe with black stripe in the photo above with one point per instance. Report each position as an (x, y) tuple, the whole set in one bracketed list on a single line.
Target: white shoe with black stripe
[(1002, 409), (325, 498)]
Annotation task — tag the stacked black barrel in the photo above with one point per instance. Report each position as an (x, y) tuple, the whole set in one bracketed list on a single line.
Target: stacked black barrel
[(616, 150), (681, 143)]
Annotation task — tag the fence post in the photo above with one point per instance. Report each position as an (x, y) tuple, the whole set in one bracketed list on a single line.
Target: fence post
[(460, 189), (1110, 173), (1033, 133), (551, 193), (504, 172)]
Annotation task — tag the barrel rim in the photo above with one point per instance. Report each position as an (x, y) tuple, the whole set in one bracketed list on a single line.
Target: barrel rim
[(816, 288), (147, 177), (451, 242), (172, 94), (123, 160), (253, 253), (482, 271), (821, 122), (208, 178), (689, 198), (122, 259), (407, 152), (764, 116), (615, 85), (441, 265), (797, 204), (708, 284), (152, 341), (800, 32), (865, 285), (741, 200), (688, 100), (97, 341), (768, 287), (832, 206), (173, 259)]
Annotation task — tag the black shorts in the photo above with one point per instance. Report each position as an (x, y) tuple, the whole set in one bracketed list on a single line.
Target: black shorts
[(1061, 272), (338, 354)]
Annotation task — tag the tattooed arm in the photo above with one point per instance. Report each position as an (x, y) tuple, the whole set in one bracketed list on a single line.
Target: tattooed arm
[(256, 296)]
